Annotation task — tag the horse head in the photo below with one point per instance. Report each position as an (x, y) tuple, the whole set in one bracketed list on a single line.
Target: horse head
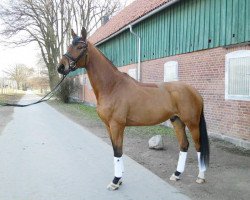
[(76, 55)]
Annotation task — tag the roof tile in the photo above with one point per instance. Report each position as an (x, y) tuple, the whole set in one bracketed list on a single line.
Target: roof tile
[(126, 16)]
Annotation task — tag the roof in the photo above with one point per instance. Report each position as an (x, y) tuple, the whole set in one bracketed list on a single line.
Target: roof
[(129, 14)]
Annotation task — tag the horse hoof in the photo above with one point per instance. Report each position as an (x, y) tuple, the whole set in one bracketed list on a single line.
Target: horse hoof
[(112, 186), (174, 178), (200, 180)]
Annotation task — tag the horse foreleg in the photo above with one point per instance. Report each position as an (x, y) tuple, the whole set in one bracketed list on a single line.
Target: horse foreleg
[(179, 128), (116, 135)]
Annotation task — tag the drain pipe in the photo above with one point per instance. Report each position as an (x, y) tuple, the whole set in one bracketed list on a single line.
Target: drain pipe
[(138, 54)]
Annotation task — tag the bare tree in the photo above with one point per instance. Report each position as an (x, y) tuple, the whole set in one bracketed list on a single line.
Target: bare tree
[(40, 78), (48, 23), (20, 74), (92, 11), (39, 83)]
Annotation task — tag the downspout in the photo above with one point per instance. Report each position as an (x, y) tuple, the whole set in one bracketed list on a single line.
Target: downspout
[(138, 53)]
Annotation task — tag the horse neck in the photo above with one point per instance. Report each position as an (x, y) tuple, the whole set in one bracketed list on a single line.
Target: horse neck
[(102, 74)]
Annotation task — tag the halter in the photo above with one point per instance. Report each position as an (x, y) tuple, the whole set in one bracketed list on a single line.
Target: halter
[(73, 61)]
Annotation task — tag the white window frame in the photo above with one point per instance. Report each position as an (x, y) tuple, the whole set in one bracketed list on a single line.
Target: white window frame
[(168, 65), (82, 80), (88, 83), (132, 73), (235, 54)]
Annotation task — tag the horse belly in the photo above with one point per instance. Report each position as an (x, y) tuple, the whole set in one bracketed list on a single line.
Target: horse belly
[(144, 115)]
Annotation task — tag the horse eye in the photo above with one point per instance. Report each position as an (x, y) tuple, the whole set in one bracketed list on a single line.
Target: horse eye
[(80, 47)]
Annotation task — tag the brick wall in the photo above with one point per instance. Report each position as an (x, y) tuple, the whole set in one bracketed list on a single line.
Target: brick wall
[(205, 70), (88, 93)]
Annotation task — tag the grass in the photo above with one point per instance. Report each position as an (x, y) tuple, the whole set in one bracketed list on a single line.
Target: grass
[(88, 113), (11, 97), (76, 109)]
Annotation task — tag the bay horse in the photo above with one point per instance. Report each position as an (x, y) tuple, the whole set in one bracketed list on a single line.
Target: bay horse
[(122, 101)]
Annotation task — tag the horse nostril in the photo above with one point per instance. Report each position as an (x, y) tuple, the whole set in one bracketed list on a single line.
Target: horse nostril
[(61, 69)]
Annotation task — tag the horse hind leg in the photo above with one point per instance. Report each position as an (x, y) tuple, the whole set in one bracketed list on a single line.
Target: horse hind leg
[(179, 128), (200, 138)]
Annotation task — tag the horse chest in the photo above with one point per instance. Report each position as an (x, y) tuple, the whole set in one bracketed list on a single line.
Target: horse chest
[(112, 111), (104, 112)]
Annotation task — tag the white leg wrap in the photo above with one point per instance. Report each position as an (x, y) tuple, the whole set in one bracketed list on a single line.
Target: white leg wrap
[(202, 167), (118, 166), (181, 161), (122, 165)]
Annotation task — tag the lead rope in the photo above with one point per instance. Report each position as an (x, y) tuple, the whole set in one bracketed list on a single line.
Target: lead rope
[(52, 93)]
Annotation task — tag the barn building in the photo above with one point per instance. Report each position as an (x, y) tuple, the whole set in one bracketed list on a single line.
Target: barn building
[(205, 43)]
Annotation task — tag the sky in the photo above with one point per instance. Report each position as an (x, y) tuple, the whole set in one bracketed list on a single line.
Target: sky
[(9, 57), (27, 55)]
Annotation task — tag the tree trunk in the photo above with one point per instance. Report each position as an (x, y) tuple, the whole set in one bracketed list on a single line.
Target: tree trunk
[(53, 76), (48, 23), (18, 85)]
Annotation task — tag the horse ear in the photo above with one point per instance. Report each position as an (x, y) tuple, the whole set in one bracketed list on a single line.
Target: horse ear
[(73, 34), (84, 33)]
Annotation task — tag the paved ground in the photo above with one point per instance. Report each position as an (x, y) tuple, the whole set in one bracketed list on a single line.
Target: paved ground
[(228, 175), (45, 156)]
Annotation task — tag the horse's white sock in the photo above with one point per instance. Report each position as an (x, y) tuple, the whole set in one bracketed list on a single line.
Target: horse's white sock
[(118, 166), (122, 165), (181, 162), (202, 167)]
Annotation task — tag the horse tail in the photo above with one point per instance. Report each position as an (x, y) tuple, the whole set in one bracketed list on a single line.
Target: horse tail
[(204, 143)]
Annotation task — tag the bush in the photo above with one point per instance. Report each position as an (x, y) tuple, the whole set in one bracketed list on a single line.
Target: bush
[(67, 89)]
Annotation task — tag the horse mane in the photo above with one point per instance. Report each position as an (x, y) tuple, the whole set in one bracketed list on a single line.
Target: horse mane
[(125, 74), (112, 64), (109, 61)]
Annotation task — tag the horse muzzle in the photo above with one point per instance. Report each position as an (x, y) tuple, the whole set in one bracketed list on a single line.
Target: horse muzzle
[(61, 70)]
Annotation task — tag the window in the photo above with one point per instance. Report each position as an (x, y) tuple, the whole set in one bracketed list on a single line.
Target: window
[(237, 75), (171, 71), (88, 83), (132, 73)]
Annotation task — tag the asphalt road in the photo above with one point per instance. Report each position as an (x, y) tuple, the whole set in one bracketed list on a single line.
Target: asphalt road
[(46, 156)]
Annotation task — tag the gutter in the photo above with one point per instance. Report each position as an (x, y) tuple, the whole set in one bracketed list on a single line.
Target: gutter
[(138, 54), (138, 20)]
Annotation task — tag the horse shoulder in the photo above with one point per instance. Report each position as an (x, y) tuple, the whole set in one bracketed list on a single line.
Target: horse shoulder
[(112, 109)]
